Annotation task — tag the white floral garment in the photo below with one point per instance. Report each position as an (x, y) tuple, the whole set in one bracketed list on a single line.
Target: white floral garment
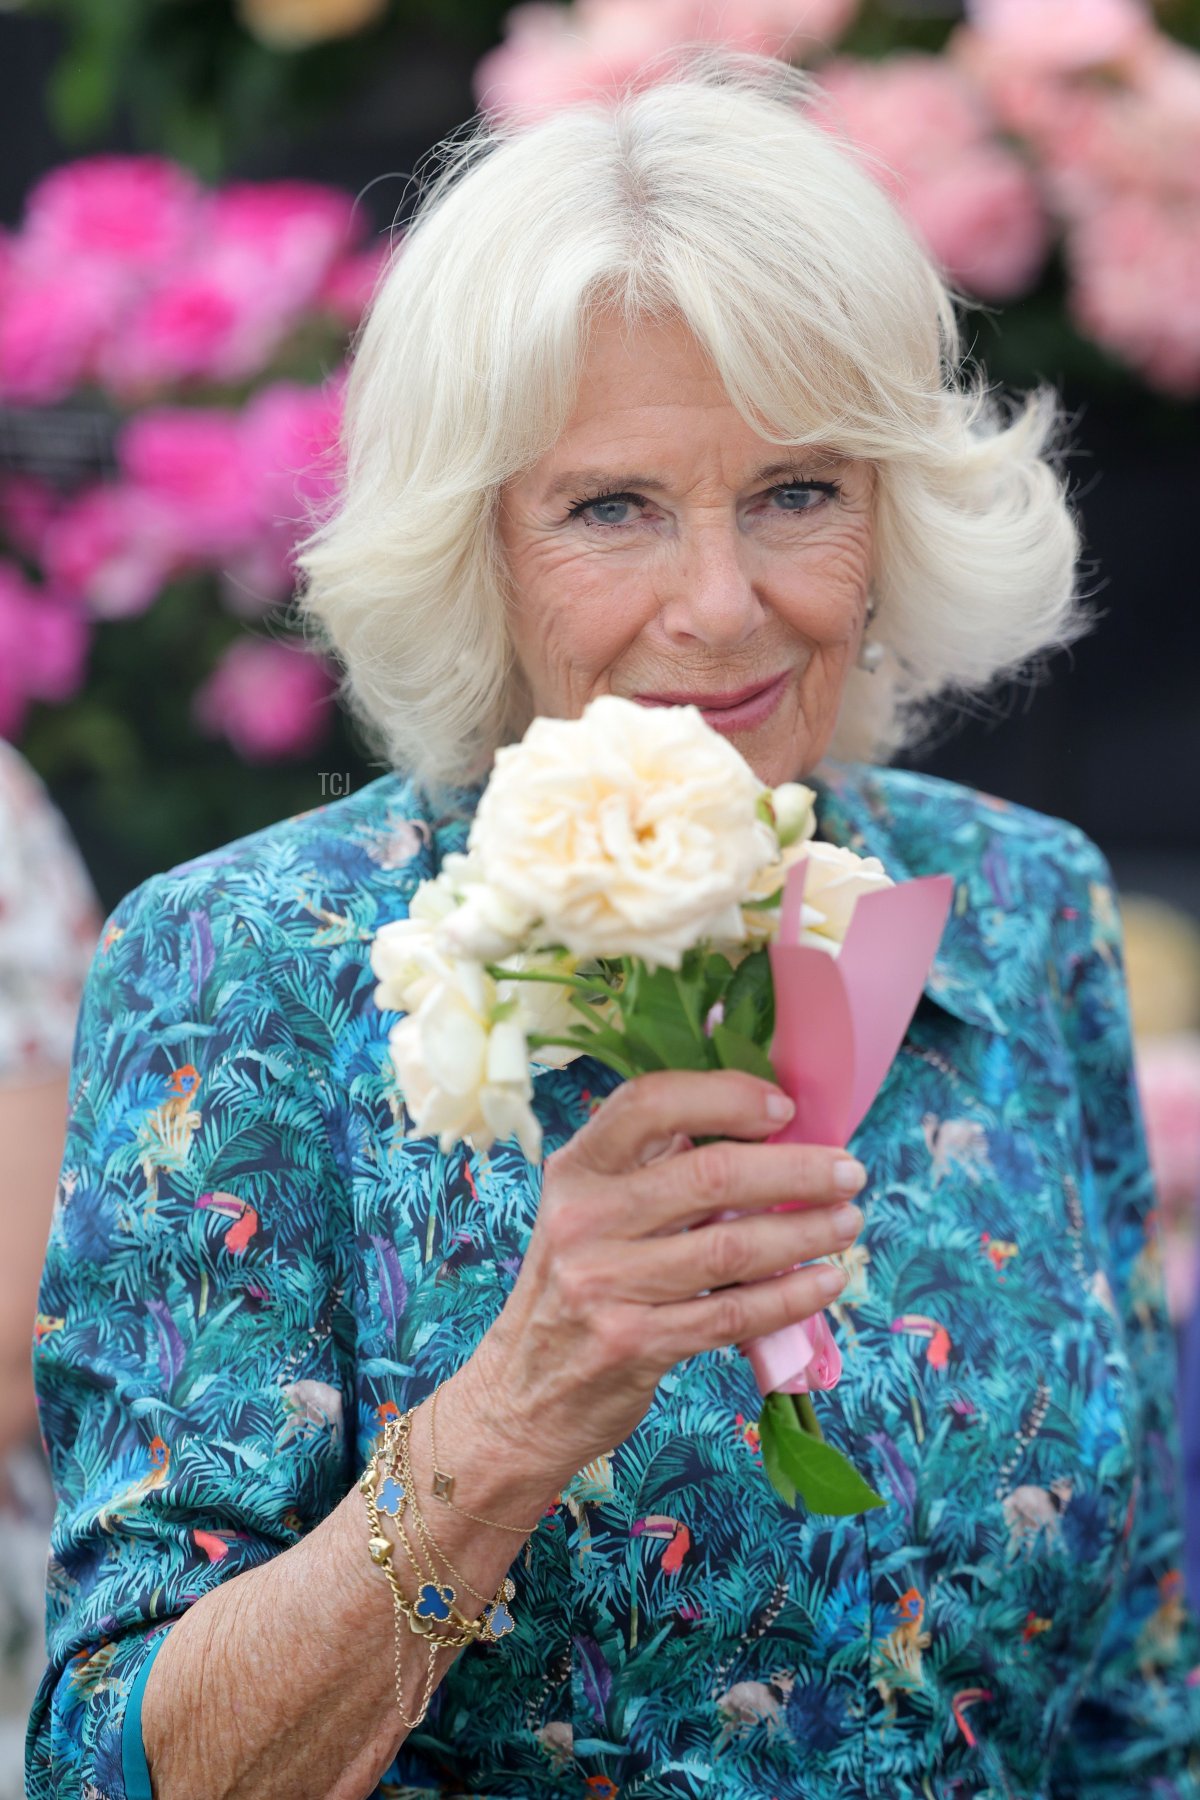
[(49, 923)]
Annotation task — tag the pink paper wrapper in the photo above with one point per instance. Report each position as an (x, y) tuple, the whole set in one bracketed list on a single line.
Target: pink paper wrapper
[(839, 1022)]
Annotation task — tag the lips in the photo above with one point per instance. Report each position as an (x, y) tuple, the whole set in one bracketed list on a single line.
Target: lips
[(740, 710)]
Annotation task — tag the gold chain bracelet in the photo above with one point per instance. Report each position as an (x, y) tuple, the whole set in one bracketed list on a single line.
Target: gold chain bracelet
[(421, 1616), (497, 1620)]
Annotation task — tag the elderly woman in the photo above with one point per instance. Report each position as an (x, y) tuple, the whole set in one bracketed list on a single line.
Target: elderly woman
[(660, 400)]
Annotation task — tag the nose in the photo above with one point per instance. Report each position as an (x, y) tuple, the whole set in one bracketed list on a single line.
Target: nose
[(709, 595)]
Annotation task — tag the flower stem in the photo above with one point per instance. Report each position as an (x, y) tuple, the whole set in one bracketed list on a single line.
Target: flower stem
[(807, 1415), (499, 973)]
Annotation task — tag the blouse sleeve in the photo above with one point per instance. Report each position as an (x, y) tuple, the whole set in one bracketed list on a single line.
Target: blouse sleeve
[(1136, 1729), (191, 1344)]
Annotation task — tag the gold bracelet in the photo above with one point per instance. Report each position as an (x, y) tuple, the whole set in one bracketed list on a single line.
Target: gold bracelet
[(429, 1608), (497, 1619), (381, 1552), (397, 1496), (443, 1484)]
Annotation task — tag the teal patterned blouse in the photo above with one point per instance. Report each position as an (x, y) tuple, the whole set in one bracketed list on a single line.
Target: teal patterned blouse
[(250, 1268)]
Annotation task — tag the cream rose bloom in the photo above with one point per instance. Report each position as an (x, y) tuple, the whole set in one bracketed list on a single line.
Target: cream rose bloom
[(835, 880), (463, 1072), (631, 831)]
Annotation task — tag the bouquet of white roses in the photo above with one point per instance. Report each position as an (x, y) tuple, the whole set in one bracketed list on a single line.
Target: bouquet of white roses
[(626, 894)]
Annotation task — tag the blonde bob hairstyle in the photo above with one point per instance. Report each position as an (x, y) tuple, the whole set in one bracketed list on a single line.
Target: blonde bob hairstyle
[(717, 198)]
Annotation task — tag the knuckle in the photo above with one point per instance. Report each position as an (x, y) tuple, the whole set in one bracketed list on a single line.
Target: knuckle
[(613, 1339), (728, 1318), (714, 1172), (727, 1254), (576, 1287), (563, 1224)]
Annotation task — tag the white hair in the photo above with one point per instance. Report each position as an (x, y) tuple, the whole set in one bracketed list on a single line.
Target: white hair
[(718, 196)]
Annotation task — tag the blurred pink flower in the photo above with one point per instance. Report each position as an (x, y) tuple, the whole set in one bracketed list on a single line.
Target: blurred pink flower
[(291, 232), (291, 455), (982, 218), (189, 461), (1062, 34), (911, 110), (51, 321), (262, 256), (197, 325), (1133, 127), (269, 699), (1135, 271), (553, 56), (113, 548), (136, 213), (927, 139), (1168, 1073), (43, 648)]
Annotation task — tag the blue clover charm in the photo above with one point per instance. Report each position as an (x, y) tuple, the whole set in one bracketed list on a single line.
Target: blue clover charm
[(499, 1619), (433, 1602), (391, 1497)]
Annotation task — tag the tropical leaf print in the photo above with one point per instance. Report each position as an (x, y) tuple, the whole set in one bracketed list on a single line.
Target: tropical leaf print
[(251, 1266)]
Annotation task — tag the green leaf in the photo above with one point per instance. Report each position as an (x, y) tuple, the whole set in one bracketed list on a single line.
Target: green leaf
[(663, 1043), (823, 1478), (773, 1467), (688, 984), (750, 1000), (739, 1052)]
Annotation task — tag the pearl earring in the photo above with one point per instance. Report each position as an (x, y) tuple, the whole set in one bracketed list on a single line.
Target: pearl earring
[(870, 655)]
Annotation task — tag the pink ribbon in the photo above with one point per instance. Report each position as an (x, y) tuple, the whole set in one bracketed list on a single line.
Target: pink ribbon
[(839, 1022)]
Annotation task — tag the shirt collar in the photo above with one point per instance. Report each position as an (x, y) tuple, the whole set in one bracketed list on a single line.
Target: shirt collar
[(853, 811)]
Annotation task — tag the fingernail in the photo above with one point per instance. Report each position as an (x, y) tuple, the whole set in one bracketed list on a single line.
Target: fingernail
[(847, 1221), (779, 1106), (849, 1176), (830, 1282)]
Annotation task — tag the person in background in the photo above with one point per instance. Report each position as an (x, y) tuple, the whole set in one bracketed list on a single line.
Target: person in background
[(1162, 946), (49, 923)]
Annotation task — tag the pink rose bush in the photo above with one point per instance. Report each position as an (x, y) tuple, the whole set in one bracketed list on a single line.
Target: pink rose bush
[(552, 55), (132, 290), (1075, 122), (126, 274), (1109, 108), (974, 201), (199, 488)]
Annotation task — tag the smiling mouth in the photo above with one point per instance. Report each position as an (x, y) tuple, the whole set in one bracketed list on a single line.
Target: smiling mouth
[(739, 710)]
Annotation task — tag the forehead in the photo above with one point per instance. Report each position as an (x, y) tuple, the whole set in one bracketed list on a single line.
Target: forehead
[(649, 395)]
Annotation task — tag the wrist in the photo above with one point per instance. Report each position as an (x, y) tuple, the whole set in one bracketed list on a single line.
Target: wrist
[(480, 1444)]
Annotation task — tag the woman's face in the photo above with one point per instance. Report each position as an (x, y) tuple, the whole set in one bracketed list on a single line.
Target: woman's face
[(663, 551)]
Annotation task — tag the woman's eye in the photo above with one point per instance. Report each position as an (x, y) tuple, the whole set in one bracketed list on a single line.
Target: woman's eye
[(605, 509), (803, 496)]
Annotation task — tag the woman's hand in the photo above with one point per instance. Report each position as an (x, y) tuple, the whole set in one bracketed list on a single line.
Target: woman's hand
[(615, 1288)]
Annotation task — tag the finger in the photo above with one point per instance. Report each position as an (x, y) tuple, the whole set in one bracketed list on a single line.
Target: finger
[(662, 1148), (751, 1248), (736, 1314), (685, 1190), (652, 1108)]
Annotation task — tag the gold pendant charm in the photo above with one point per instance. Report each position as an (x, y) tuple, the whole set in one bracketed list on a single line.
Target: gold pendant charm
[(443, 1485)]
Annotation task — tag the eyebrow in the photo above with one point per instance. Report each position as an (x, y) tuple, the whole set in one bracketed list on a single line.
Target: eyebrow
[(595, 481)]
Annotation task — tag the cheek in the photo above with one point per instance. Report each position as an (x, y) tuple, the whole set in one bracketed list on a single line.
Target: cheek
[(573, 614), (824, 596)]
